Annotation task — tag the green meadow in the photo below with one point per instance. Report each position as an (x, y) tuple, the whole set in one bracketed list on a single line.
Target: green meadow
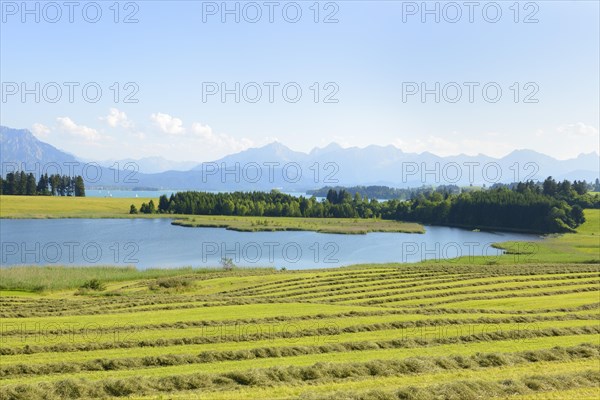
[(67, 207)]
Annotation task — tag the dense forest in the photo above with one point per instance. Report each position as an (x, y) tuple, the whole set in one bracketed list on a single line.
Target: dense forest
[(22, 184), (528, 206), (526, 210)]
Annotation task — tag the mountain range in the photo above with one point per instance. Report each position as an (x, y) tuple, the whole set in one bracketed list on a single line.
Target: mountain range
[(151, 165), (277, 166)]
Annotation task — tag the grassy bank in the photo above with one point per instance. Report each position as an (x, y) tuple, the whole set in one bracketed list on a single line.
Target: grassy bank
[(582, 246), (53, 278)]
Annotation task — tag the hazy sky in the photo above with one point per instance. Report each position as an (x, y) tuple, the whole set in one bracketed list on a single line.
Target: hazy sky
[(361, 78)]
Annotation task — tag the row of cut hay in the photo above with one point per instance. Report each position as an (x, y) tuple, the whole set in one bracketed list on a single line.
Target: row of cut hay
[(434, 287), (332, 282), (320, 289), (300, 277), (307, 335), (419, 298), (316, 373), (44, 364)]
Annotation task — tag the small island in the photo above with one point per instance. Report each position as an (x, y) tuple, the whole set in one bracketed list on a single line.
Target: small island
[(321, 225)]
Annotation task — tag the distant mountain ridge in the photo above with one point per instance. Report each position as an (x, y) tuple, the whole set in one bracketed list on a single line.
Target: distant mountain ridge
[(151, 165), (277, 166), (20, 146)]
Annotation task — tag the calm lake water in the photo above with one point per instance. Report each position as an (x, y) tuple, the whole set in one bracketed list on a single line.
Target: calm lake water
[(148, 243)]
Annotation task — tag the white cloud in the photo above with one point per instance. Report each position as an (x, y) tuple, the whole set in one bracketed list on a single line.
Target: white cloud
[(67, 125), (564, 141), (206, 134), (578, 129), (116, 118), (198, 141), (168, 124), (203, 131), (40, 130)]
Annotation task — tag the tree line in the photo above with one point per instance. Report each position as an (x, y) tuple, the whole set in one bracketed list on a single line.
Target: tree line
[(22, 184), (388, 193), (384, 192), (548, 206), (499, 208)]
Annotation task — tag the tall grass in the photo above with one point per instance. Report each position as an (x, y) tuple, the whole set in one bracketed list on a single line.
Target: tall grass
[(39, 279)]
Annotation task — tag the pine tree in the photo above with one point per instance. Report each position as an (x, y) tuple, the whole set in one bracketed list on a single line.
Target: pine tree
[(163, 204), (22, 184), (10, 186), (79, 187), (42, 185), (30, 185)]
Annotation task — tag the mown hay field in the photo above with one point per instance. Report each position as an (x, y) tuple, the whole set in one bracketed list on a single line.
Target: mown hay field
[(370, 332)]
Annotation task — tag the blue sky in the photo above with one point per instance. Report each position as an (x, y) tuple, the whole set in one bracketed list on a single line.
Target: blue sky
[(370, 57)]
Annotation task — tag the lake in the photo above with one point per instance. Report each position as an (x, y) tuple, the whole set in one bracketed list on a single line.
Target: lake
[(150, 243)]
